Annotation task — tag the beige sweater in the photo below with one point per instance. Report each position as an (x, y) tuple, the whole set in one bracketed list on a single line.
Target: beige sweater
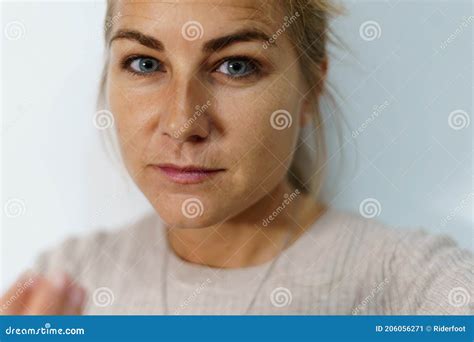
[(344, 264)]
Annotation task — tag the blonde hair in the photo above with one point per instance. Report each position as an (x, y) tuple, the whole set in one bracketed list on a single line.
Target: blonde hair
[(310, 35)]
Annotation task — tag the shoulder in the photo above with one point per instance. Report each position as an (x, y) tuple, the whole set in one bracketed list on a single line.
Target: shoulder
[(97, 250), (371, 234), (344, 230), (420, 272), (434, 274), (386, 269)]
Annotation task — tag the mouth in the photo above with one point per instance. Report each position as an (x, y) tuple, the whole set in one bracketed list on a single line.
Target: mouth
[(189, 174)]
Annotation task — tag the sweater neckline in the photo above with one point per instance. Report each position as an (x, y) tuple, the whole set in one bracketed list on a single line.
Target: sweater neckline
[(188, 273)]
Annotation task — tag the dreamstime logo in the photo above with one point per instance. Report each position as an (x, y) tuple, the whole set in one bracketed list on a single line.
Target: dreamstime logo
[(192, 30), (287, 199), (21, 288), (377, 110), (47, 329), (459, 30), (454, 212), (370, 297), (199, 110), (286, 24), (112, 21), (14, 207), (14, 30), (370, 30), (103, 119), (103, 296), (280, 297), (193, 296), (281, 119), (459, 119), (370, 208), (192, 208), (459, 296)]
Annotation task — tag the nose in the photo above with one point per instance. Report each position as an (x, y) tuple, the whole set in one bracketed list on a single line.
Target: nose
[(185, 117)]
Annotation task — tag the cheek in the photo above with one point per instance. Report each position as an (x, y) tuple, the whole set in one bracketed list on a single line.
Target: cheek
[(132, 114), (261, 138)]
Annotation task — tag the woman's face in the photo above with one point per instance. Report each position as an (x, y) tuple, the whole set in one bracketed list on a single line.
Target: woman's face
[(195, 83)]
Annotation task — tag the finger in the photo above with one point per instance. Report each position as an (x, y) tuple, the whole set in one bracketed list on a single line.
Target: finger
[(14, 301), (75, 301), (50, 296)]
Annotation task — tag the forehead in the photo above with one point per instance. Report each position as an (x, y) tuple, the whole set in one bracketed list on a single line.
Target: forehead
[(214, 14)]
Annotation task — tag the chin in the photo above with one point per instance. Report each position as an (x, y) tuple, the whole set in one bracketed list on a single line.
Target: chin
[(185, 211)]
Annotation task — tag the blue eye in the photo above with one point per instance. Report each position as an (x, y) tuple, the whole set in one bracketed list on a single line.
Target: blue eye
[(144, 65), (237, 67)]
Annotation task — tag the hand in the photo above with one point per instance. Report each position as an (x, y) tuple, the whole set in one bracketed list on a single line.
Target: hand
[(35, 294)]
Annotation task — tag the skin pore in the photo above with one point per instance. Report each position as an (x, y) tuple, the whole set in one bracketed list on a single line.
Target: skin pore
[(158, 74)]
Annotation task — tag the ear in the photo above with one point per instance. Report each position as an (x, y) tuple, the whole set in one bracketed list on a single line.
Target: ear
[(324, 67), (307, 108)]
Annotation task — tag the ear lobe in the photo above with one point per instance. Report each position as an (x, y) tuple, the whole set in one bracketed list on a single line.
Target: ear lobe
[(324, 74), (305, 112), (324, 67)]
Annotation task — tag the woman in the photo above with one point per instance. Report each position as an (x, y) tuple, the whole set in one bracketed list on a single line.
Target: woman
[(209, 99)]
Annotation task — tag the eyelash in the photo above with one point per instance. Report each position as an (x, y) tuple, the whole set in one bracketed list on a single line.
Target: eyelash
[(255, 66)]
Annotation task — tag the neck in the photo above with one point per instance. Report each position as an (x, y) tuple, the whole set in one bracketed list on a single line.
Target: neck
[(252, 237)]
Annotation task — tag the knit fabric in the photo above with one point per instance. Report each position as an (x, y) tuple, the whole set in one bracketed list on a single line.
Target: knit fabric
[(343, 264)]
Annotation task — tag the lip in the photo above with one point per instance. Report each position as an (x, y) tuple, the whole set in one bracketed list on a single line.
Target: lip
[(188, 174)]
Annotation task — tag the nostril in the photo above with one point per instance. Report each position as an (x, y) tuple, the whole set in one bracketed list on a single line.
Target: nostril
[(196, 138)]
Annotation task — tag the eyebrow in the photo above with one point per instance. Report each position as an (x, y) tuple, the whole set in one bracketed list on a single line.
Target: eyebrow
[(140, 38), (245, 35), (213, 45)]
